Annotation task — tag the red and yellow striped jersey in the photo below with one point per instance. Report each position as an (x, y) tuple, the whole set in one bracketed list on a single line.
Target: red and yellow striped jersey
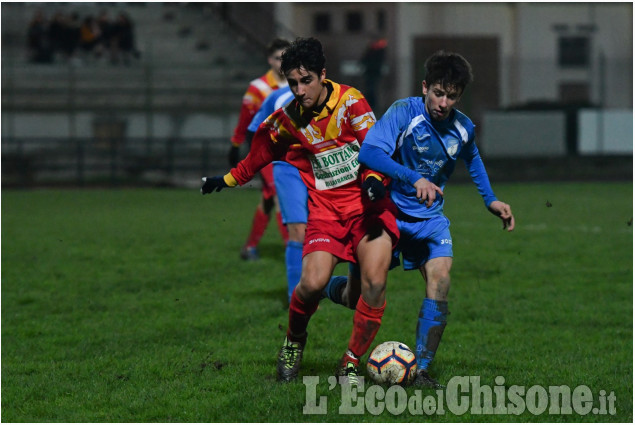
[(253, 98), (323, 146)]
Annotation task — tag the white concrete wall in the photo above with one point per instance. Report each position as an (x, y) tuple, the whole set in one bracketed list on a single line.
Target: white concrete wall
[(605, 132), (536, 134), (528, 134)]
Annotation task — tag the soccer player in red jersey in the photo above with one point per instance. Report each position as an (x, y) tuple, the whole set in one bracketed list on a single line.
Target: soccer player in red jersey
[(350, 218), (253, 98)]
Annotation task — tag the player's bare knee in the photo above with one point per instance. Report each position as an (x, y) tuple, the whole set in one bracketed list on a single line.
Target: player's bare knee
[(296, 232), (444, 280), (311, 283), (308, 290), (373, 289)]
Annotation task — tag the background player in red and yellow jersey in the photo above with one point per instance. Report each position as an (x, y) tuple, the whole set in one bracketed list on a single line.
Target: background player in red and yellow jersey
[(320, 133), (253, 98)]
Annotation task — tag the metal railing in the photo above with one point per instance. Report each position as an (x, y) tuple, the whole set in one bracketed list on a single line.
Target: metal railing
[(28, 162)]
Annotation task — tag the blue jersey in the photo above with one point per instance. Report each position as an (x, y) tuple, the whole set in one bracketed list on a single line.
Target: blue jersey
[(406, 144), (276, 100)]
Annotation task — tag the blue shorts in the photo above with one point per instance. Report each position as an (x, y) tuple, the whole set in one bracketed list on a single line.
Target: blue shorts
[(292, 193), (421, 241)]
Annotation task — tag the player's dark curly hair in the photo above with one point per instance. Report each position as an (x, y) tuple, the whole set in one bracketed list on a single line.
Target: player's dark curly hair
[(304, 53), (448, 69), (277, 44)]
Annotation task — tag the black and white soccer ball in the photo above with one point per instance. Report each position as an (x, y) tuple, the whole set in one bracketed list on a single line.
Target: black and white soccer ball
[(392, 362)]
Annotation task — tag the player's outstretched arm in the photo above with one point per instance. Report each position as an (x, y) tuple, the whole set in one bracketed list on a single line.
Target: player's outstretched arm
[(504, 211), (211, 184)]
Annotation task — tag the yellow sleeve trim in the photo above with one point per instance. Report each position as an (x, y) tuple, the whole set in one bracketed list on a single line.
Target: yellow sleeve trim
[(377, 176), (230, 180)]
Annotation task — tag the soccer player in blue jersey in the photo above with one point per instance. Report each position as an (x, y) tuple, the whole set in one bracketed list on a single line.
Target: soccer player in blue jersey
[(417, 143)]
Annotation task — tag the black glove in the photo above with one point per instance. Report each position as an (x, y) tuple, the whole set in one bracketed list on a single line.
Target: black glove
[(374, 188), (233, 156), (210, 184)]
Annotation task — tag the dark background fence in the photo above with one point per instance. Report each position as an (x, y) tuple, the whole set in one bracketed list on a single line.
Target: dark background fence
[(171, 162), (129, 161)]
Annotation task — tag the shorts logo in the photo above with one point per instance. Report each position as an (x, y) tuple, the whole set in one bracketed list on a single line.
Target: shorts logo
[(326, 240)]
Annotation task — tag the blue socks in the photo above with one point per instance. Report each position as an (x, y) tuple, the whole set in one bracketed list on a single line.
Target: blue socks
[(334, 289), (430, 326), (293, 261)]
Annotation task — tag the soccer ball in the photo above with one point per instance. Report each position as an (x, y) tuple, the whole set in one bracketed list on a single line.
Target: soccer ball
[(392, 362)]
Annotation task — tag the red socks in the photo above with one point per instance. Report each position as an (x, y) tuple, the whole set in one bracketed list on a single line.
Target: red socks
[(366, 322), (299, 315), (259, 225)]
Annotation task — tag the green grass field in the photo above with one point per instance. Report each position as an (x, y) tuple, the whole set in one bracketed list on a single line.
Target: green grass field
[(133, 306)]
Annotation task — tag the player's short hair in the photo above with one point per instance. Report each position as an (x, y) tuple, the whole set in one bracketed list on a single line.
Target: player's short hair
[(304, 53), (448, 69), (277, 44)]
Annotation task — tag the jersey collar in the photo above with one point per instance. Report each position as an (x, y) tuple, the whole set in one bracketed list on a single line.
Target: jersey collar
[(331, 103)]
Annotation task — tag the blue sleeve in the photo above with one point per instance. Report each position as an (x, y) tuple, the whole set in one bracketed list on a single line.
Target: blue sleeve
[(476, 168), (380, 144), (265, 110), (377, 159)]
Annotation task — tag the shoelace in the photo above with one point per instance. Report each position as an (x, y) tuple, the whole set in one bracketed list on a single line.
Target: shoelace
[(290, 353), (352, 373)]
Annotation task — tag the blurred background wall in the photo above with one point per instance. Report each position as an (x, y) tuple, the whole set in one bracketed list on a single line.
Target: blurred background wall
[(553, 82)]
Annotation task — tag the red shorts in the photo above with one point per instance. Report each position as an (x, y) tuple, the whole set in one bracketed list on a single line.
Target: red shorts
[(341, 237), (268, 187)]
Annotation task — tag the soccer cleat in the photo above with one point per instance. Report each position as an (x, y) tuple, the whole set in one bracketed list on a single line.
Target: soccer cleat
[(423, 379), (289, 359), (249, 253), (349, 368)]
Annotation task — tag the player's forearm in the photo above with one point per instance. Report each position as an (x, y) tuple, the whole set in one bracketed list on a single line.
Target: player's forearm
[(377, 159), (262, 152), (248, 167), (476, 168)]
